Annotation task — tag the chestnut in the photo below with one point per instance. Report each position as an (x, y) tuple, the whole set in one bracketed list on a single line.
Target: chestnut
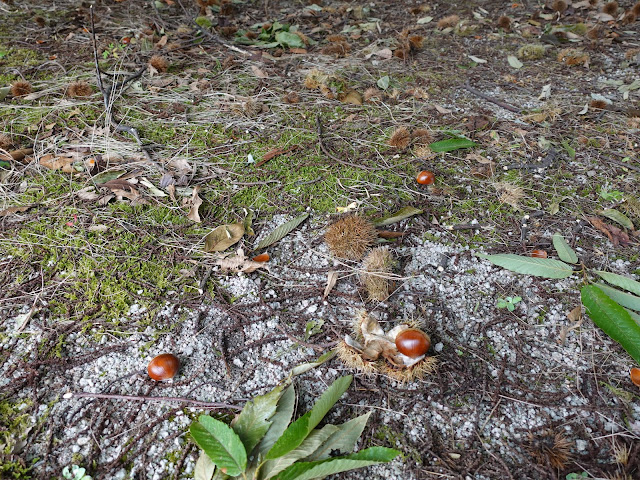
[(163, 367), (635, 376), (413, 342), (426, 177)]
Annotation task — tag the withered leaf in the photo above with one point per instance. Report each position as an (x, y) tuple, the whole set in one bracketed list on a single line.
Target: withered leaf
[(223, 237), (196, 201), (17, 154), (11, 210), (615, 235), (53, 162), (240, 263), (274, 153), (388, 234), (575, 314), (332, 278)]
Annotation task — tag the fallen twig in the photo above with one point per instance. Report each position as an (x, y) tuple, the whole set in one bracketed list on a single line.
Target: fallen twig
[(486, 97), (316, 346), (107, 92), (142, 398), (546, 162)]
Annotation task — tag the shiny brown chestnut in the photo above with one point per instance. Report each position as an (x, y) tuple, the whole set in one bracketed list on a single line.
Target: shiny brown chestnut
[(163, 367), (413, 342)]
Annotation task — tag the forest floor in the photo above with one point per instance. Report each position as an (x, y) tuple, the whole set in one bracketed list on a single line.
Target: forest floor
[(255, 113)]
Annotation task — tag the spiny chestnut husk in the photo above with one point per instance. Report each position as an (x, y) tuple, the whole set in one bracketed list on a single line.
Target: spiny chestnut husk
[(350, 237), (374, 351), (377, 266)]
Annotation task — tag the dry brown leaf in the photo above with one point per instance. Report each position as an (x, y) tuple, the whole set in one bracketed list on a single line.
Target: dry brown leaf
[(88, 193), (223, 237), (11, 210), (258, 73), (274, 153), (615, 235), (240, 263), (53, 162), (17, 154), (196, 201), (332, 278), (575, 314), (442, 110), (352, 97), (389, 234)]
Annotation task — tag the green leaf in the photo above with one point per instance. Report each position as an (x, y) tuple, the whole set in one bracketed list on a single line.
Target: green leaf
[(253, 421), (618, 217), (569, 149), (279, 232), (289, 40), (404, 212), (626, 283), (344, 439), (107, 175), (635, 316), (4, 91), (565, 252), (310, 445), (328, 399), (279, 421), (514, 62), (222, 237), (322, 468), (614, 320), (204, 468), (539, 267), (623, 298), (298, 430), (305, 367), (221, 443), (293, 436), (451, 144), (383, 82)]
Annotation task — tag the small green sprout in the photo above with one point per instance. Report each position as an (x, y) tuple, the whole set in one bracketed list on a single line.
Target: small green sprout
[(509, 303), (75, 473)]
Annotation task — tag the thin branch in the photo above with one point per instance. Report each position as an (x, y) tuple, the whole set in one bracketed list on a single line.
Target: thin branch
[(141, 398), (486, 97)]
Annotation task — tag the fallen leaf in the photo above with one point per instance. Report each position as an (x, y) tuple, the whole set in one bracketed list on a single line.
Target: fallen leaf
[(274, 153), (195, 201), (332, 278), (258, 73), (240, 263), (17, 154), (388, 234), (615, 235), (348, 208), (223, 237), (575, 314), (11, 210), (514, 62), (88, 193), (53, 162), (352, 97), (477, 122), (441, 110)]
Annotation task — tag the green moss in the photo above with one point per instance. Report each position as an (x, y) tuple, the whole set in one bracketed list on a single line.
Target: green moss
[(14, 427), (531, 51)]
